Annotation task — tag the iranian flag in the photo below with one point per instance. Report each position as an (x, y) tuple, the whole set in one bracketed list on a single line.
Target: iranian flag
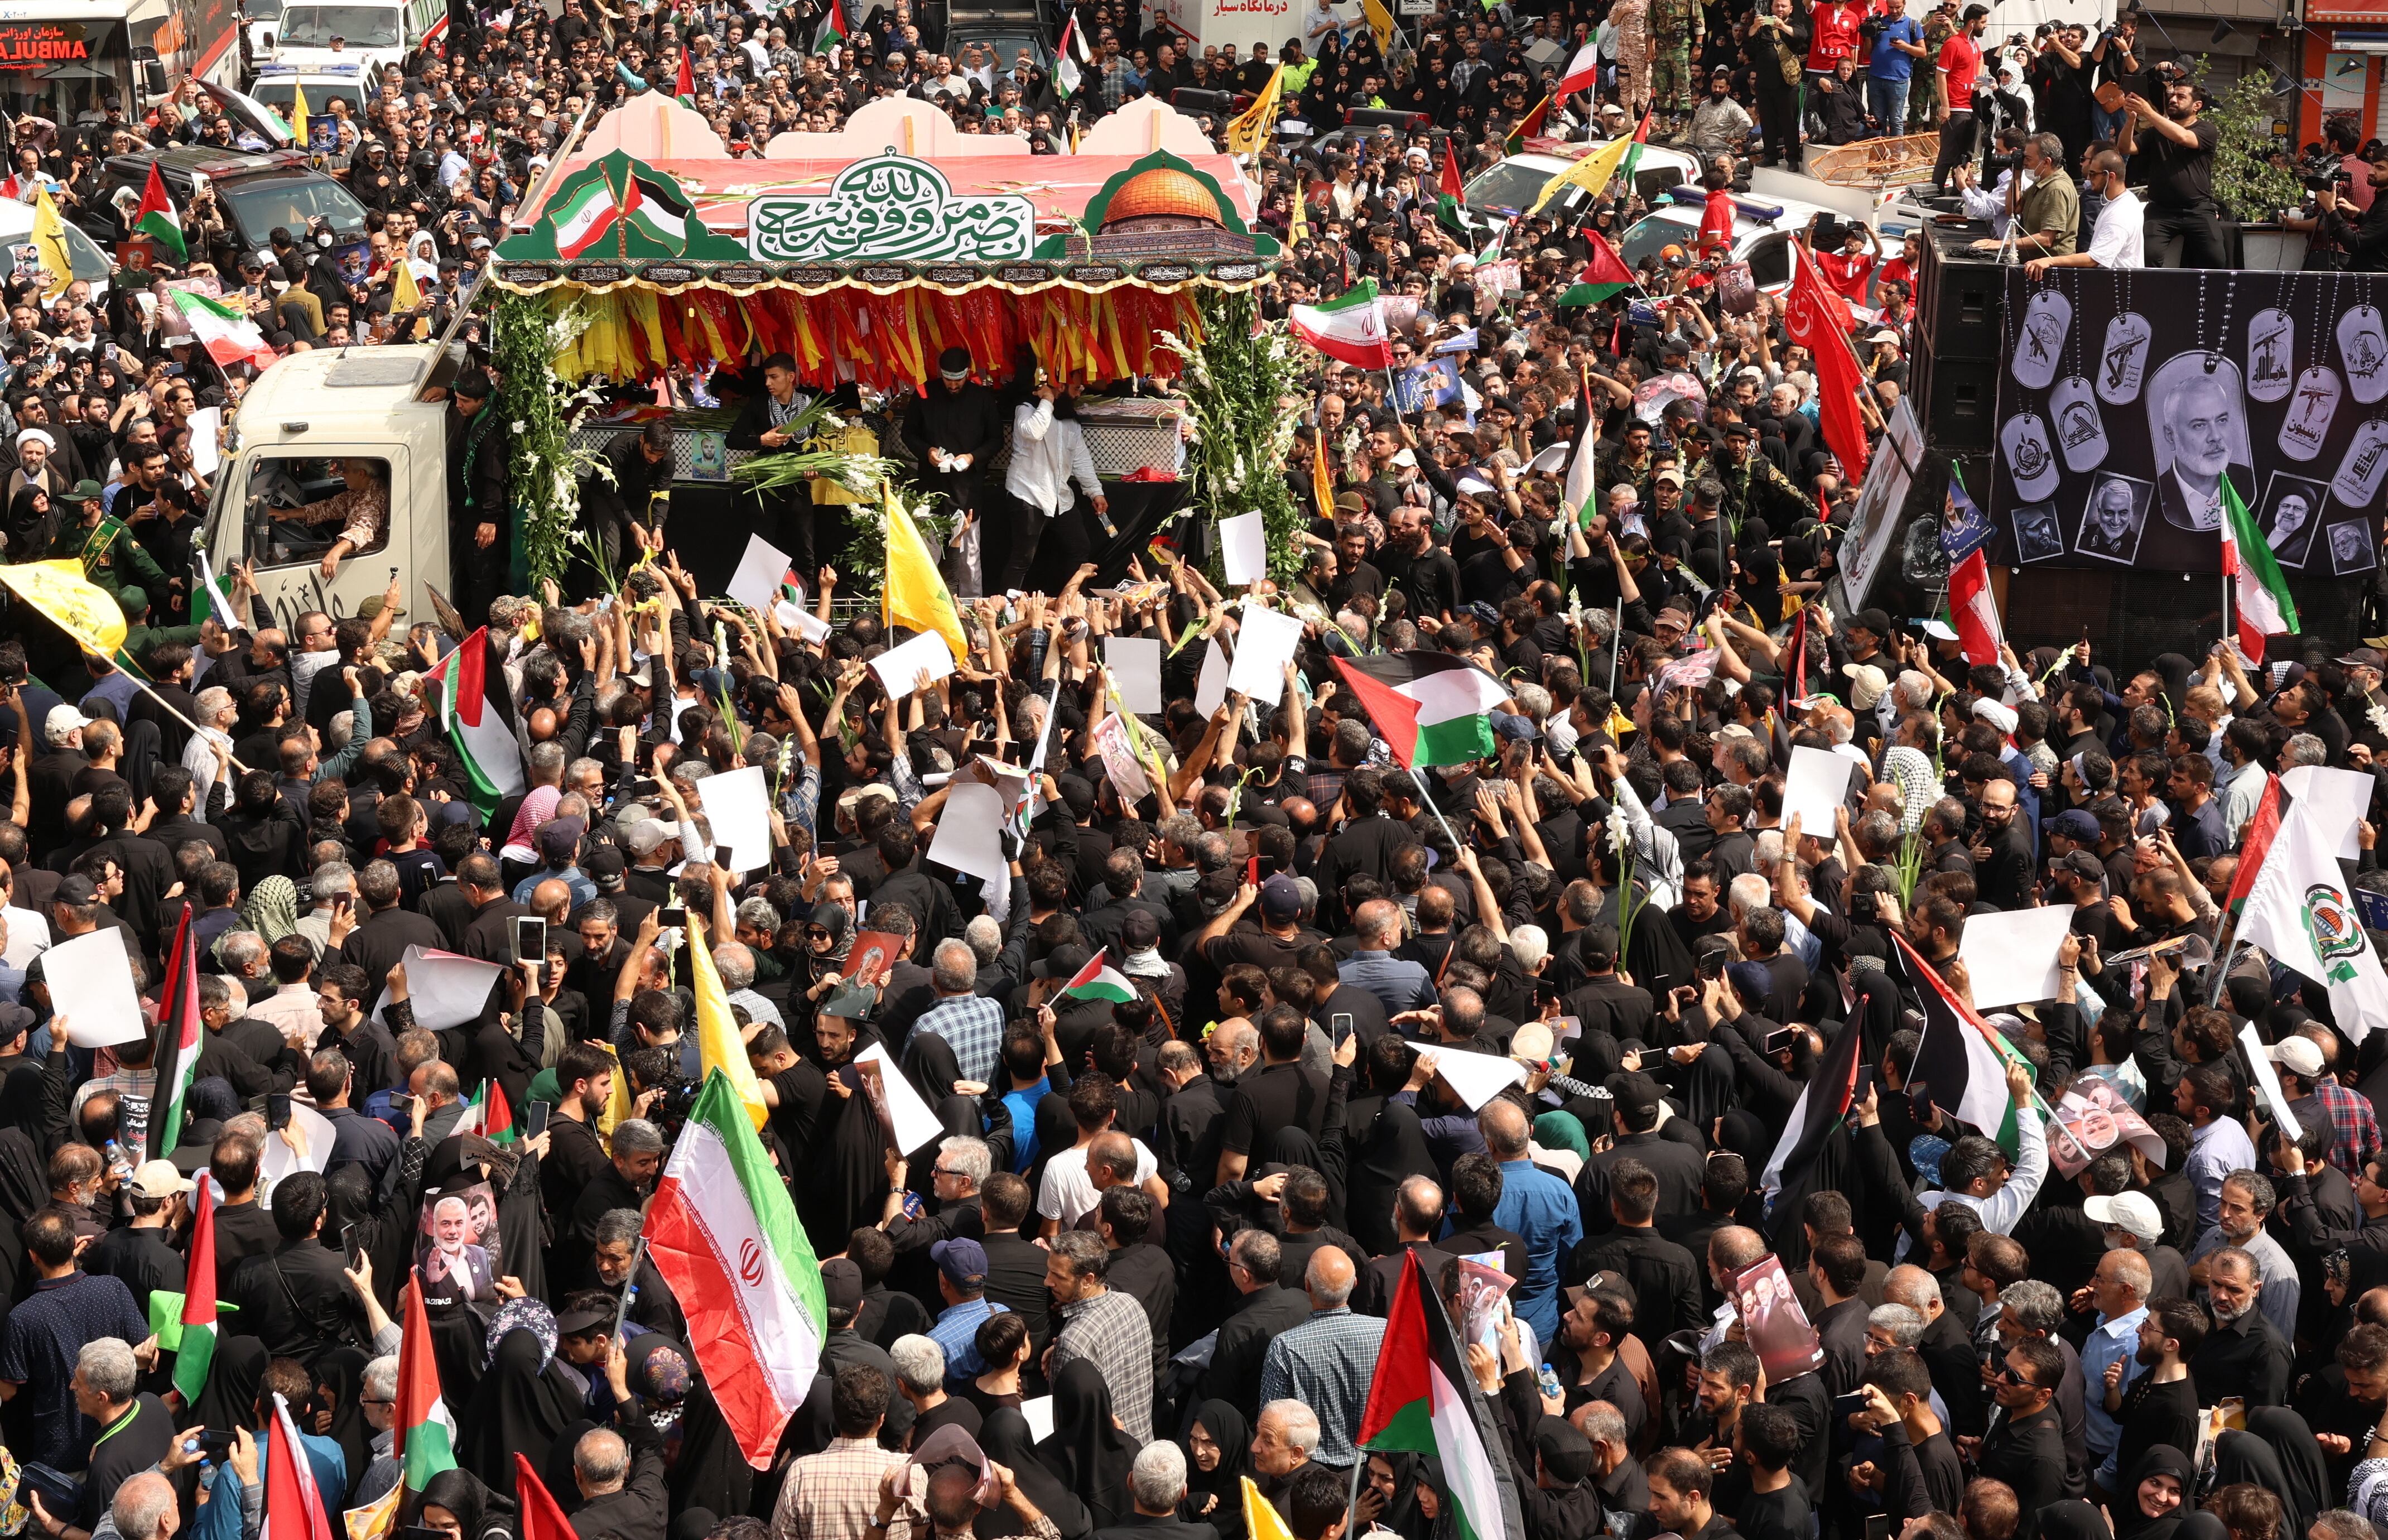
[(489, 1115), (425, 1435), (1423, 1401), (294, 1508), (1604, 274), (1429, 708), (1069, 60), (2263, 605), (1974, 610), (2256, 841), (180, 1036), (584, 218), (229, 336), (156, 217), (480, 719), (1349, 330), (1097, 980), (833, 31), (724, 1233), (1583, 72), (198, 1344)]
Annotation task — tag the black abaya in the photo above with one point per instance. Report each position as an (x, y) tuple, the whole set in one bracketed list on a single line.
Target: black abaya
[(521, 1405), (1089, 1449), (1216, 1497), (1005, 1439)]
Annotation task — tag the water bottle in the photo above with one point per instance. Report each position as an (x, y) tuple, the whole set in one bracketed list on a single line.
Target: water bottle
[(119, 1167)]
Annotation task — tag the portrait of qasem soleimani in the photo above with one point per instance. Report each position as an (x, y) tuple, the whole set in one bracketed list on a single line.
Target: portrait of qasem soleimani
[(2197, 429), (2113, 518)]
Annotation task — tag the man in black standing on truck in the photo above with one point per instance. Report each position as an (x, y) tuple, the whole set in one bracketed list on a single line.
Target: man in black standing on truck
[(478, 550), (955, 432)]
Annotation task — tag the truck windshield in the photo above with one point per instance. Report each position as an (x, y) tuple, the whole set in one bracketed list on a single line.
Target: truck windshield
[(279, 92), (358, 26), (258, 204)]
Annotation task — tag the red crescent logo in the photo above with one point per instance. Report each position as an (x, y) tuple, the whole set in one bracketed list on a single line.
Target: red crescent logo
[(750, 1263)]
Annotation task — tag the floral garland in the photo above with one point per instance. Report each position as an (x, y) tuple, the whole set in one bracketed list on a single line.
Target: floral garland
[(1243, 381), (525, 335)]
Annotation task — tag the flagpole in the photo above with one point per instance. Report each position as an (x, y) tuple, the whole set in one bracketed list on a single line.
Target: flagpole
[(1428, 797)]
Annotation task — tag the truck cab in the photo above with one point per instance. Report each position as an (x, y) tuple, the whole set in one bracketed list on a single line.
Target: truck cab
[(278, 86), (300, 422), (372, 32)]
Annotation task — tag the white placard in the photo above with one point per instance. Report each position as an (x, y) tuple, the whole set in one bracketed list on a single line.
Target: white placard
[(738, 804), (1134, 665), (756, 583), (803, 622), (2267, 1082), (206, 428), (1478, 1078), (1243, 548), (2010, 958), (1211, 685), (443, 989), (1816, 786), (915, 1124), (970, 832), (1038, 1414), (276, 1160), (2338, 798), (1265, 645), (897, 667), (91, 985)]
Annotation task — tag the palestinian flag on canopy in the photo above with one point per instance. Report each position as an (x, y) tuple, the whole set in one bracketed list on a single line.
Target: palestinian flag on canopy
[(1963, 1059), (198, 1345), (657, 209), (1422, 1400), (489, 1115), (425, 1435), (582, 220), (1529, 127), (1096, 980), (1604, 274), (156, 217), (480, 718), (180, 1036), (1429, 708)]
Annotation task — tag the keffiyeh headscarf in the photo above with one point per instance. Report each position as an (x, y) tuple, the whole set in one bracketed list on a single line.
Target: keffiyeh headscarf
[(272, 908)]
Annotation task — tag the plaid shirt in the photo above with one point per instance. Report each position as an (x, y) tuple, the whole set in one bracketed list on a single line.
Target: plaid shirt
[(834, 1495), (2354, 1128), (973, 1025), (1111, 1332), (957, 1331), (1325, 1363)]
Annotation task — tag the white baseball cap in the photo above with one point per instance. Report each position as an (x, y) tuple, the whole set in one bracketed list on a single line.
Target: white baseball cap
[(2302, 1055), (2135, 1212)]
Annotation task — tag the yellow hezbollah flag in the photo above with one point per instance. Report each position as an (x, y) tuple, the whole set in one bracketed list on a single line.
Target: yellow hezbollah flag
[(406, 295), (298, 114), (1261, 1518), (1380, 21), (1590, 174), (1322, 480), (81, 608), (718, 1045), (50, 243), (915, 596), (1249, 134)]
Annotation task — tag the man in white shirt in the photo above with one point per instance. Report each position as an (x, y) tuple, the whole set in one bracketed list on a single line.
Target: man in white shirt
[(2118, 240)]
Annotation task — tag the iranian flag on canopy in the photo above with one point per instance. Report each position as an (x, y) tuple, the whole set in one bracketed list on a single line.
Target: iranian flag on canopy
[(1429, 708), (1422, 1400), (2260, 594), (724, 1233), (229, 336), (1349, 330), (584, 218), (156, 217)]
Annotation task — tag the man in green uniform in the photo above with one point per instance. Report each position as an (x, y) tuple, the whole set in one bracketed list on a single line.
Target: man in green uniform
[(140, 630), (1677, 30), (1939, 28), (110, 556)]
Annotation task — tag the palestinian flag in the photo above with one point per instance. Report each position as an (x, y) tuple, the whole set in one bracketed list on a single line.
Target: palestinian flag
[(1069, 58), (1581, 491), (1450, 201), (1098, 981), (657, 209), (294, 1507), (426, 1436), (1822, 1103), (198, 1345), (1431, 708), (229, 336), (1604, 274), (583, 219), (156, 217), (1633, 150), (489, 1115), (2256, 842), (180, 1036), (2262, 603), (833, 31), (1529, 127), (1423, 1401), (1350, 329), (1961, 1062), (684, 90), (724, 1233), (480, 719)]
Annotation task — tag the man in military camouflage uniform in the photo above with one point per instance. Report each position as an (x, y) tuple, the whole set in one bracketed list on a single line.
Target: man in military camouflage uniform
[(110, 556), (1939, 28), (1753, 487), (1677, 30)]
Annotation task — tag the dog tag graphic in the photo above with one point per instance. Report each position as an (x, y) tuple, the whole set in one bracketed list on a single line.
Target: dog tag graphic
[(2271, 344), (2365, 465), (2029, 459), (2047, 316), (2123, 362), (2307, 423), (2080, 429), (2363, 348)]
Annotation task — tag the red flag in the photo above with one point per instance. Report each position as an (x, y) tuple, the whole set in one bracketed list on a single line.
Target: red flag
[(1974, 609), (536, 1513), (2258, 842), (1819, 319), (294, 1509)]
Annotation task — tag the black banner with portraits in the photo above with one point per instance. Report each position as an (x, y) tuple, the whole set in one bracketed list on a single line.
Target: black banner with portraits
[(2125, 399)]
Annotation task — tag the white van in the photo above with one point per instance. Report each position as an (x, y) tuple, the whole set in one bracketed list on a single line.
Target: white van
[(1762, 229), (372, 34)]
